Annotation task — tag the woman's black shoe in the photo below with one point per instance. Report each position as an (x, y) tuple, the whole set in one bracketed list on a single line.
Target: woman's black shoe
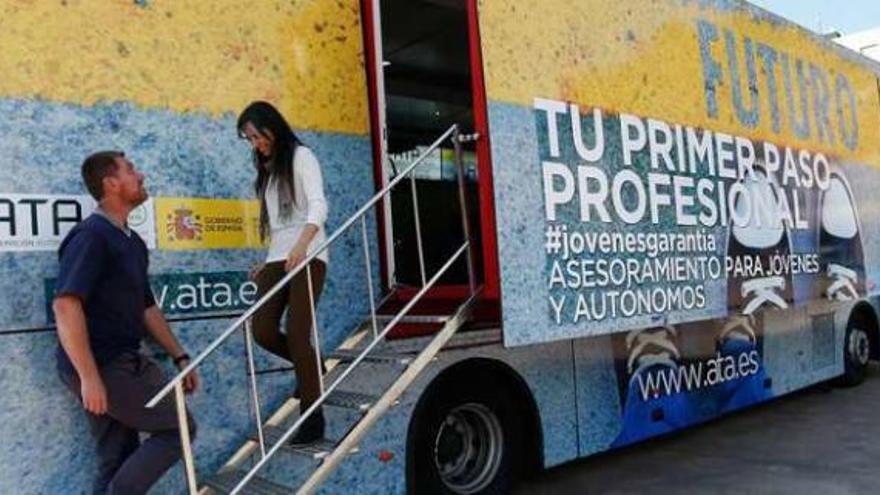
[(296, 390), (310, 431)]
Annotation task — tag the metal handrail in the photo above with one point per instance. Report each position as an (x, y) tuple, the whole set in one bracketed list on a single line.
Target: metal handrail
[(178, 379), (412, 370), (350, 369)]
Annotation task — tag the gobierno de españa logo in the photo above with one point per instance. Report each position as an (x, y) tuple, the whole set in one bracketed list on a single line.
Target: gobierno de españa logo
[(183, 225)]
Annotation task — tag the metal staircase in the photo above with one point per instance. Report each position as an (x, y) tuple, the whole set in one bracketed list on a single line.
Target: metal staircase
[(369, 346)]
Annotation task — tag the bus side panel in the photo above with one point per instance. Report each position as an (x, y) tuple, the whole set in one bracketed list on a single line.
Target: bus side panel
[(164, 82), (690, 187)]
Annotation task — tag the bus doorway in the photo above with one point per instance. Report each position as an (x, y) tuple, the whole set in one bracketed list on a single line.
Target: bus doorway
[(423, 83)]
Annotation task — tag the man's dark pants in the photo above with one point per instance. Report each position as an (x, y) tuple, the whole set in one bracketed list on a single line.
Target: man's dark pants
[(125, 464)]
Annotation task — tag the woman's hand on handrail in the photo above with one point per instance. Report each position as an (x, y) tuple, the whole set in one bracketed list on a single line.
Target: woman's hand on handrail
[(295, 257)]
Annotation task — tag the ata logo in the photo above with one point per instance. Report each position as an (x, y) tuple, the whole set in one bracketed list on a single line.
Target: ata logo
[(182, 225)]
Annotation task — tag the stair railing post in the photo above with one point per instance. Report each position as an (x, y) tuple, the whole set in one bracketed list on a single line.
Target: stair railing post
[(189, 464), (416, 216), (314, 337), (462, 200), (252, 378), (369, 269)]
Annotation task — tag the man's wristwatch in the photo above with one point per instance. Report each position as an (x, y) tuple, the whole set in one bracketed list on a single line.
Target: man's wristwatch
[(181, 358)]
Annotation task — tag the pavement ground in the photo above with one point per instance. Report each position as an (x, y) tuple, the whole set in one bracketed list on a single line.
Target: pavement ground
[(822, 440)]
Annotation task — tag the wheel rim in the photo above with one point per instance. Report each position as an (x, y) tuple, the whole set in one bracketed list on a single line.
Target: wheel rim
[(859, 346), (468, 448)]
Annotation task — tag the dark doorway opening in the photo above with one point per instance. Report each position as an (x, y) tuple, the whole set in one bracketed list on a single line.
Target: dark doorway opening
[(427, 79)]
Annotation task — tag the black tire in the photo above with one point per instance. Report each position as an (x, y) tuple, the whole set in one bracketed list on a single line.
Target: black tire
[(443, 463), (856, 351)]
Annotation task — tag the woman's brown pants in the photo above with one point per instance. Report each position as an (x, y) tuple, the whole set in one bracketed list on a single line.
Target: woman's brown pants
[(296, 346)]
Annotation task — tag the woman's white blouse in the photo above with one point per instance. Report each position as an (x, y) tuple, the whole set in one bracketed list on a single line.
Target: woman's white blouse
[(309, 206)]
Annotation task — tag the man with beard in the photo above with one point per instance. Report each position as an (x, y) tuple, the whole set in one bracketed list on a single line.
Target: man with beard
[(103, 308)]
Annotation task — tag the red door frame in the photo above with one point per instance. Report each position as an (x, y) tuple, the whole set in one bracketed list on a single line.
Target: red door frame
[(491, 273), (369, 43), (484, 167)]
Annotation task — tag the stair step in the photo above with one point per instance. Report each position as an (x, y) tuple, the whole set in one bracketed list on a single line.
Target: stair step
[(415, 318), (351, 400), (348, 356), (317, 450), (224, 483)]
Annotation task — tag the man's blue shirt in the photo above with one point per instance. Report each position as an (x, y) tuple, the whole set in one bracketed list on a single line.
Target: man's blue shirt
[(106, 267)]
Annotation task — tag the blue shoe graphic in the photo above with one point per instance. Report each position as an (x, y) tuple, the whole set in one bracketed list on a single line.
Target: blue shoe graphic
[(738, 338), (654, 402)]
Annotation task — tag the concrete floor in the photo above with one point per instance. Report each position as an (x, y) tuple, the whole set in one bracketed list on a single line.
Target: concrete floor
[(819, 441)]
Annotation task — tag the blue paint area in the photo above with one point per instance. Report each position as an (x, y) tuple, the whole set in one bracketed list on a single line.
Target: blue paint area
[(708, 34), (769, 58), (788, 352), (747, 115), (648, 418), (819, 83), (849, 128), (517, 179), (186, 155), (803, 346), (744, 391), (598, 403), (800, 124), (549, 372)]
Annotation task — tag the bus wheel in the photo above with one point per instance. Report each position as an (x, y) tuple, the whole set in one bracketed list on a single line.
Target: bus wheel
[(856, 352), (469, 441)]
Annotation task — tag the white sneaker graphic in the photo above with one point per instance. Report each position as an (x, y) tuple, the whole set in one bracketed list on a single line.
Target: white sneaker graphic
[(840, 244), (650, 347), (765, 235)]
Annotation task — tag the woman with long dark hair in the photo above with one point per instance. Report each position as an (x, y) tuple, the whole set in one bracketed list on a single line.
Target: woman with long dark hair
[(292, 213)]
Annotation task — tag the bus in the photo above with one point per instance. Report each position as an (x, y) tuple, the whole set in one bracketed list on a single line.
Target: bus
[(556, 228)]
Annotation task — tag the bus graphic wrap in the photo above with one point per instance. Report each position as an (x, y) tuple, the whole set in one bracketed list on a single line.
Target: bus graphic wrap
[(633, 200), (684, 180)]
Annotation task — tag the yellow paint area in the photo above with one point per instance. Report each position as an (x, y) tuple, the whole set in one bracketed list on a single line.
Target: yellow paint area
[(644, 58), (306, 56), (198, 223)]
